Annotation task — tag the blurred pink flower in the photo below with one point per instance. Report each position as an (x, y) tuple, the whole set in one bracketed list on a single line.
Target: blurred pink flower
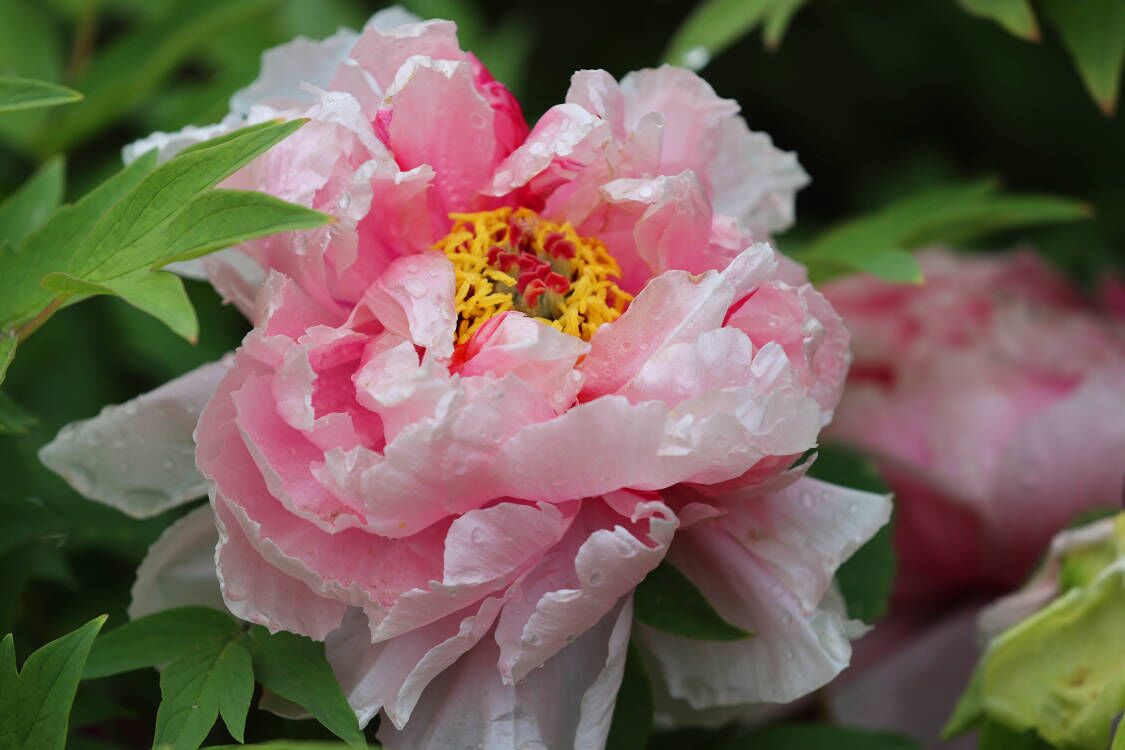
[(992, 398), (454, 445)]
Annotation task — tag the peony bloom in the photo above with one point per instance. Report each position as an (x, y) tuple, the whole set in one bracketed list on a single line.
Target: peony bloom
[(522, 369), (991, 397)]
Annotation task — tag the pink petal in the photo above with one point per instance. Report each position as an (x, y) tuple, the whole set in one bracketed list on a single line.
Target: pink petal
[(675, 306), (391, 675), (257, 592), (382, 51), (413, 299), (754, 181), (602, 559), (538, 354), (424, 106)]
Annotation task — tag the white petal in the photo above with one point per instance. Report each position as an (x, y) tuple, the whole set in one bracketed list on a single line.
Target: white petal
[(139, 457), (566, 704), (179, 570)]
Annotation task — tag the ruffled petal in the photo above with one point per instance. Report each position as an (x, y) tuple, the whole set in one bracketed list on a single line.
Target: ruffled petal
[(602, 558), (413, 299), (391, 675), (754, 181), (439, 118), (383, 49), (139, 457), (257, 592), (538, 354), (566, 704), (289, 68), (674, 307), (179, 569), (793, 651)]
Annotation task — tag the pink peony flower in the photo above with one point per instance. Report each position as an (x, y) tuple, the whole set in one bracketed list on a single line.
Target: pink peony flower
[(991, 397), (520, 370)]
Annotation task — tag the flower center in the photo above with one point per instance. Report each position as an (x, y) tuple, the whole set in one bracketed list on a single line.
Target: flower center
[(513, 259)]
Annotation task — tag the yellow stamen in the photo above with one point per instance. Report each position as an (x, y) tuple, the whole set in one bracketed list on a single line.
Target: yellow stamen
[(486, 249)]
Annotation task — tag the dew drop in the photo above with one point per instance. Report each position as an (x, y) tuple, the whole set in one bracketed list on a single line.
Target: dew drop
[(344, 201), (477, 536), (235, 593), (415, 288), (478, 121), (595, 578), (571, 637), (696, 58)]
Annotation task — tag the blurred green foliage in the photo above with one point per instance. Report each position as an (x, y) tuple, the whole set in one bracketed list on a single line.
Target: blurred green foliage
[(880, 99)]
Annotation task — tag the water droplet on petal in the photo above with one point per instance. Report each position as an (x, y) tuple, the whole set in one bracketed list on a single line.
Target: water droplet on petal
[(235, 593), (477, 536), (415, 288), (595, 578)]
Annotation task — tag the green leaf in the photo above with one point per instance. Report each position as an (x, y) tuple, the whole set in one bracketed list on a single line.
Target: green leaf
[(196, 688), (126, 239), (51, 247), (712, 27), (668, 601), (222, 218), (1094, 33), (285, 745), (996, 736), (140, 219), (294, 667), (777, 21), (159, 294), (1015, 16), (25, 93), (26, 209), (818, 737), (157, 639), (122, 74), (865, 578), (875, 243), (13, 418), (632, 714), (8, 344), (35, 703)]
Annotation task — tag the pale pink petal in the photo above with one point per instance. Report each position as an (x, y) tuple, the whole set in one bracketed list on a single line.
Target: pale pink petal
[(814, 337), (139, 457), (566, 705), (179, 569), (805, 530), (673, 230), (563, 141), (717, 359), (391, 675), (754, 181), (675, 306), (1066, 459), (257, 592), (413, 299), (793, 651), (602, 559), (597, 92), (692, 115), (382, 50), (286, 67), (538, 354), (447, 462)]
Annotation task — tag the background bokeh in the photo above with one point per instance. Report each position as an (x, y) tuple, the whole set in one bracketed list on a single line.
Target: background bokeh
[(878, 97)]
